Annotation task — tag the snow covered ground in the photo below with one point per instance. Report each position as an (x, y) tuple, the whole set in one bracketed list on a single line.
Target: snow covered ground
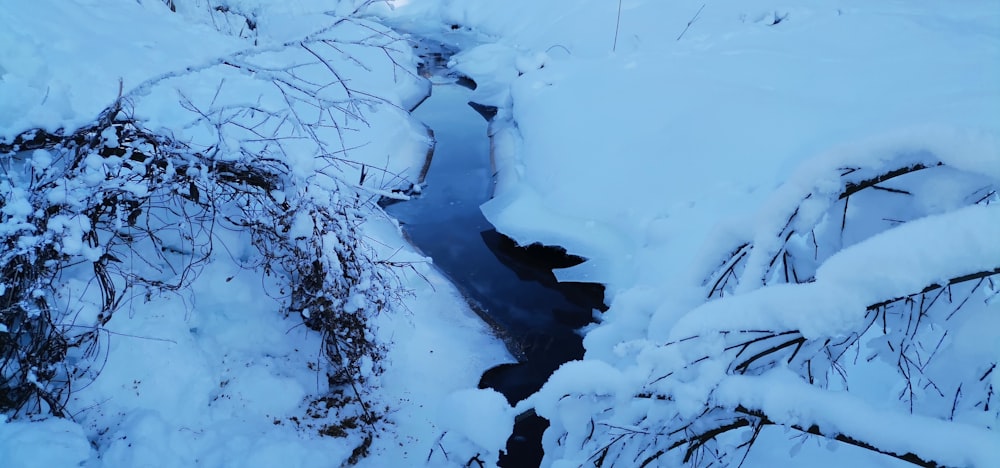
[(664, 139), (217, 375), (724, 165)]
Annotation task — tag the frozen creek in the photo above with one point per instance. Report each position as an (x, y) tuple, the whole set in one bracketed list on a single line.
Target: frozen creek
[(512, 288)]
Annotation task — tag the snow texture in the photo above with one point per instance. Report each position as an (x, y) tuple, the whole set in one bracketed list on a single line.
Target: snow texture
[(729, 170), (793, 207), (216, 375)]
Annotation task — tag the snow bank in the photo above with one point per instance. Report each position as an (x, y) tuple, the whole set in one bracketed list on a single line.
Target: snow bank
[(186, 69), (642, 155), (464, 412), (440, 347), (50, 442), (61, 70), (216, 375), (669, 138), (688, 132)]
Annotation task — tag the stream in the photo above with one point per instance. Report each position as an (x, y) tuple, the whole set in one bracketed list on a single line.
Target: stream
[(512, 288)]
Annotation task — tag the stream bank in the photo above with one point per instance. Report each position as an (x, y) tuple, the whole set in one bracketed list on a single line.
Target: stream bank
[(511, 287)]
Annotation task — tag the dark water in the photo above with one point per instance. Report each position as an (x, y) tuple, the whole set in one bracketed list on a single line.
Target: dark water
[(513, 287)]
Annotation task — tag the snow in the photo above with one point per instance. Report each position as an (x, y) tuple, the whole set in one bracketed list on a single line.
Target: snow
[(61, 71), (757, 85), (595, 378), (788, 399), (877, 268), (657, 142), (216, 375), (653, 138), (463, 412), (50, 442), (439, 347)]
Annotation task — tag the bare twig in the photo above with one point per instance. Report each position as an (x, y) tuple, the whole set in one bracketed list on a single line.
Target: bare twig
[(691, 21)]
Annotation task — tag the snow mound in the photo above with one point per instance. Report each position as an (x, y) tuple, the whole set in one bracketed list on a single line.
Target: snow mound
[(50, 442)]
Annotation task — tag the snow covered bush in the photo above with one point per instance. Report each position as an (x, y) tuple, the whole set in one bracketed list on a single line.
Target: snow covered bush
[(139, 209), (266, 143), (860, 305), (104, 195)]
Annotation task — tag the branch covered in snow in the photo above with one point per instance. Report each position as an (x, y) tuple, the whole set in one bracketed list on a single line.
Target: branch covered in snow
[(782, 398), (884, 264)]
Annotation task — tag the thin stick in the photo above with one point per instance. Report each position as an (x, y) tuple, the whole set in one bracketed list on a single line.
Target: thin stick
[(693, 19), (618, 22)]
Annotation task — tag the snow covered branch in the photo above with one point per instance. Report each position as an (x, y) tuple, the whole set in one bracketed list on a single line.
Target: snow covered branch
[(782, 398), (900, 283)]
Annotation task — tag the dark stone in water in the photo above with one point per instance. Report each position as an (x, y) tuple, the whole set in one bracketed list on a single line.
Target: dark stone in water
[(466, 82), (541, 256), (535, 262), (488, 112)]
